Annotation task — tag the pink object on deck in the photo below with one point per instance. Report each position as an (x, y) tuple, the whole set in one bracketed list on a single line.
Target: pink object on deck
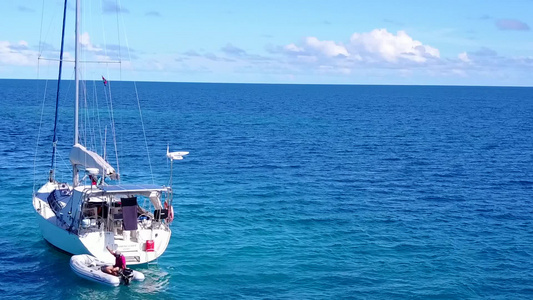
[(150, 246)]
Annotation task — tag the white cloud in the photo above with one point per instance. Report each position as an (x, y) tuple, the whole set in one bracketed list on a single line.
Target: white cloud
[(378, 47), (293, 48), (383, 45), (375, 49), (17, 54), (85, 41), (463, 57), (327, 48)]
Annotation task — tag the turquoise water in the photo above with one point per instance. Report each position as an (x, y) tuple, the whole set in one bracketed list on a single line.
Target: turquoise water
[(299, 191)]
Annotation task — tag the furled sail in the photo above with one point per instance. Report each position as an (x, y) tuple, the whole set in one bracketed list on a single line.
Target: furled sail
[(79, 155)]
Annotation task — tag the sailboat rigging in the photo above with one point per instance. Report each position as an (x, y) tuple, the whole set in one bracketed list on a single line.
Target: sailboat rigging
[(90, 214)]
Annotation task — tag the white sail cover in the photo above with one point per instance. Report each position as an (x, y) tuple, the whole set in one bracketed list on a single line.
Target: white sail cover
[(79, 155)]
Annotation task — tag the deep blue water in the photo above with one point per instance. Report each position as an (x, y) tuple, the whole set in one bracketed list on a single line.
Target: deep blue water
[(298, 191)]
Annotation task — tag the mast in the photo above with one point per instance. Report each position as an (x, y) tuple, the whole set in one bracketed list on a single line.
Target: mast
[(77, 80), (54, 140)]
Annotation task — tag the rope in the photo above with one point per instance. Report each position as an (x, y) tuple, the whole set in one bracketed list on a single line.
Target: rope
[(138, 101), (39, 131), (110, 102), (64, 163), (41, 31), (98, 117), (113, 132), (85, 122), (44, 100), (68, 168)]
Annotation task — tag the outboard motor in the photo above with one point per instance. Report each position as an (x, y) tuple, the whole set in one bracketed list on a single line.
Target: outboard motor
[(126, 275)]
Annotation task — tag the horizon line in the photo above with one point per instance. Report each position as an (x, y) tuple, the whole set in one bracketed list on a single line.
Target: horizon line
[(284, 83)]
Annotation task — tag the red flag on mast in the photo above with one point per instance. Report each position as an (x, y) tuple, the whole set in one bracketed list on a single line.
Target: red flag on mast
[(105, 81)]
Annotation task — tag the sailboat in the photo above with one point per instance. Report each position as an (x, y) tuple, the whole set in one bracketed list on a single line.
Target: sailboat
[(90, 214)]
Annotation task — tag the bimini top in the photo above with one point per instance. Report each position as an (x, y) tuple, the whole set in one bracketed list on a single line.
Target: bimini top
[(79, 155), (132, 188), (147, 190)]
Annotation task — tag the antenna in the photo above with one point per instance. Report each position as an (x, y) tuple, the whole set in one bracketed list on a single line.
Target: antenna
[(174, 156)]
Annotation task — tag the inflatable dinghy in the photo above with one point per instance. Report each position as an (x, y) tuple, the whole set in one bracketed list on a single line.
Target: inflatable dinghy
[(89, 267)]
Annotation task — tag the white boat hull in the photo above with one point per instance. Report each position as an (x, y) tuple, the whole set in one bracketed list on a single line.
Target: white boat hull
[(56, 235), (88, 267), (95, 241), (60, 238)]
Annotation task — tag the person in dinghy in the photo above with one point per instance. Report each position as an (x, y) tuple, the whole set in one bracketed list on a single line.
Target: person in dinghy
[(119, 266)]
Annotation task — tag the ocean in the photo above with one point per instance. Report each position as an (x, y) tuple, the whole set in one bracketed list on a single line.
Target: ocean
[(295, 191)]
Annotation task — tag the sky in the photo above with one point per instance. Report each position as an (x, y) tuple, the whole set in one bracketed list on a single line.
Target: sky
[(473, 42)]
